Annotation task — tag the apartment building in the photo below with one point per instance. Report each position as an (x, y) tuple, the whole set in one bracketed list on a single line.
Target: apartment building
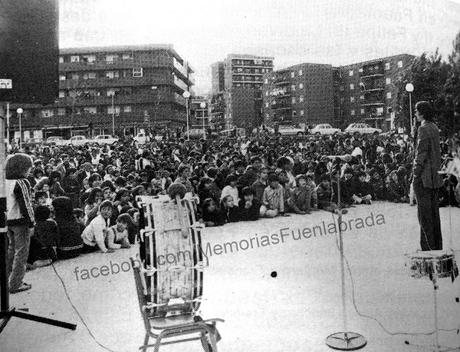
[(120, 88)]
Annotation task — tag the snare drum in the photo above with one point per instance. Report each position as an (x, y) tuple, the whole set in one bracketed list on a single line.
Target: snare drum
[(428, 263)]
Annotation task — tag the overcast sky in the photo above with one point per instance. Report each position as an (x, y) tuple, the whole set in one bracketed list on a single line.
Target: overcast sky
[(292, 31)]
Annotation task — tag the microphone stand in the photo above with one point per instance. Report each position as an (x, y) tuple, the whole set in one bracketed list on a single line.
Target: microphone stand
[(345, 340)]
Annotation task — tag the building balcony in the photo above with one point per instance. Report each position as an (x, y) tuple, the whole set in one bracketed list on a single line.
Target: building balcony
[(373, 89), (111, 65), (281, 81), (281, 107), (116, 82), (374, 103), (118, 100), (371, 75)]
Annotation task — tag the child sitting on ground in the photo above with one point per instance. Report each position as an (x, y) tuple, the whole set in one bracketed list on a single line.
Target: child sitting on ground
[(211, 214), (117, 235), (44, 241), (95, 235), (229, 210), (300, 196), (273, 198)]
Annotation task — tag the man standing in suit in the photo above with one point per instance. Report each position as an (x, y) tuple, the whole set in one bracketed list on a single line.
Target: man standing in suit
[(426, 180)]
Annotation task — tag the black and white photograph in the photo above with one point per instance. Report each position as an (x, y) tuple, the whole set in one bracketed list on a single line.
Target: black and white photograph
[(229, 175)]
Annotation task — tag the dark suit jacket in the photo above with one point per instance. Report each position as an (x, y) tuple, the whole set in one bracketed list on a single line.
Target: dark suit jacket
[(428, 156)]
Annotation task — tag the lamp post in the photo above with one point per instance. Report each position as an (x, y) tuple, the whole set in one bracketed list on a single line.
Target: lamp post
[(410, 89), (203, 106), (113, 114), (19, 111), (186, 95)]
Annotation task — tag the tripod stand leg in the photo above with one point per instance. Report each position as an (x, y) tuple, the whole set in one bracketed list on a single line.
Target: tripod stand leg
[(44, 320), (435, 299)]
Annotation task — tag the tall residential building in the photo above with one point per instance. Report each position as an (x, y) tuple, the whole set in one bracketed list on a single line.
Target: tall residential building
[(300, 95), (243, 79), (368, 90), (217, 78), (309, 94), (126, 87)]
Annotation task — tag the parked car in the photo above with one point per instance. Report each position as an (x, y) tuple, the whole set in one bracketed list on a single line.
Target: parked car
[(79, 140), (56, 140), (362, 128), (142, 138), (290, 130), (32, 142), (324, 129), (105, 139)]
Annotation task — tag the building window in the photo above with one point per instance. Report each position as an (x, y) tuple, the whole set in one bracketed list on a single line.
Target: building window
[(90, 59), (61, 111), (361, 97), (267, 105), (111, 58), (61, 59), (115, 110), (389, 95), (362, 111), (352, 86), (267, 116), (388, 80), (47, 113), (360, 70), (352, 99), (380, 111), (301, 99), (302, 112), (293, 87), (400, 64), (62, 77), (138, 72), (266, 93), (350, 73), (294, 113), (387, 65), (75, 58), (61, 94), (75, 76), (127, 108), (266, 81), (127, 57), (293, 100), (112, 74), (89, 75), (300, 73), (90, 110), (300, 85), (352, 112), (292, 74)]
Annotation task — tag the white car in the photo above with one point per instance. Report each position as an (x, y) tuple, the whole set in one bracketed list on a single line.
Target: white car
[(289, 130), (56, 140), (79, 140), (362, 128), (105, 139), (142, 138), (324, 129)]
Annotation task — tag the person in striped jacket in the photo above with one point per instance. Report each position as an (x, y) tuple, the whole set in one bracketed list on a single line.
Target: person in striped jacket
[(20, 218)]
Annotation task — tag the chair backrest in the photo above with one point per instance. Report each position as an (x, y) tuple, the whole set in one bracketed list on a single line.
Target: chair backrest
[(140, 289)]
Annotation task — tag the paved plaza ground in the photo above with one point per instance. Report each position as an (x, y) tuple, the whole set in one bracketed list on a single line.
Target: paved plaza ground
[(293, 311)]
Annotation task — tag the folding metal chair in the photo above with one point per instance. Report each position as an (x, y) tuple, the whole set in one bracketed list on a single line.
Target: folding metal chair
[(171, 327)]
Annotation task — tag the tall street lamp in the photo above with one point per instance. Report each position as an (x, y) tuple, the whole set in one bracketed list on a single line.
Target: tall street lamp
[(410, 89), (186, 95), (203, 106), (19, 111), (113, 114)]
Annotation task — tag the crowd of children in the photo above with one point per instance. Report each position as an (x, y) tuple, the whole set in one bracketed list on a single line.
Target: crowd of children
[(83, 199)]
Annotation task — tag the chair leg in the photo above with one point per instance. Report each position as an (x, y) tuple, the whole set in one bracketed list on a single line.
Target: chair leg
[(146, 342), (158, 342), (205, 343), (212, 337)]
